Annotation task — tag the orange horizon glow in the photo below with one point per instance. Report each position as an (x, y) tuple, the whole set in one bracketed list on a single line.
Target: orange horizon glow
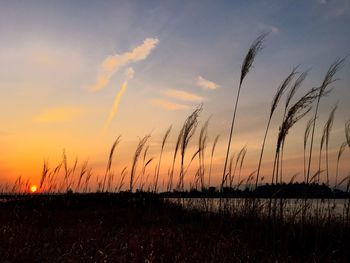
[(90, 80)]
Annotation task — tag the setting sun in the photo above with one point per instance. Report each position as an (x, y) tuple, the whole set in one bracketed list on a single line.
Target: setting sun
[(33, 188)]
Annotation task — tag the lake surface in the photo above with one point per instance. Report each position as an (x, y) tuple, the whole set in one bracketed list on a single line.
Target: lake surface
[(336, 208)]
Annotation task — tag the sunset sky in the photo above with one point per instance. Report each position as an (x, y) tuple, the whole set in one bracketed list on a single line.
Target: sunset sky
[(74, 75)]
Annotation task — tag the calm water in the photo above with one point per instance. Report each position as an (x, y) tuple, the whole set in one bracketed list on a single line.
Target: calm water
[(291, 207)]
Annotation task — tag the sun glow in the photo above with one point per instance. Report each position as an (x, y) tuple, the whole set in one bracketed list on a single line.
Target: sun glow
[(33, 188)]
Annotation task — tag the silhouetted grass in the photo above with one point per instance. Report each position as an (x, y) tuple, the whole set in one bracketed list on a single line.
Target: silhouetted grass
[(113, 225), (122, 228)]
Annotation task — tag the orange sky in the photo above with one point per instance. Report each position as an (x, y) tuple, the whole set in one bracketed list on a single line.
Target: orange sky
[(77, 84)]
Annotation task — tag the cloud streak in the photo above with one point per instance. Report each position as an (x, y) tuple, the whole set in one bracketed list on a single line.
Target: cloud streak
[(183, 95), (129, 74), (206, 84), (168, 105), (113, 63)]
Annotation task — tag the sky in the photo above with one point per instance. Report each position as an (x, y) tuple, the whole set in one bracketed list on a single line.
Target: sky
[(75, 75)]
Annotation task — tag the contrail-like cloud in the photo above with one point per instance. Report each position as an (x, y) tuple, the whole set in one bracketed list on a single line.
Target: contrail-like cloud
[(129, 74), (113, 63)]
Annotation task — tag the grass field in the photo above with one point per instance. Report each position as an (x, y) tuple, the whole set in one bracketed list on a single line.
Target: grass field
[(142, 228)]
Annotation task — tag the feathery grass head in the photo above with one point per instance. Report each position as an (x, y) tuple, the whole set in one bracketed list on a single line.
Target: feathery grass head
[(282, 88), (254, 49), (189, 128), (296, 85), (203, 136), (241, 153), (166, 136), (122, 177), (83, 172), (308, 130), (214, 144), (327, 127), (110, 157), (44, 173), (138, 151), (202, 144), (295, 113), (329, 77), (188, 131), (341, 150), (145, 153), (243, 156), (347, 132), (177, 146), (64, 161), (230, 174), (178, 143)]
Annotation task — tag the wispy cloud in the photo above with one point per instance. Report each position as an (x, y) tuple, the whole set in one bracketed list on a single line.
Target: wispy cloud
[(183, 95), (64, 114), (168, 105), (113, 63), (206, 84), (129, 74)]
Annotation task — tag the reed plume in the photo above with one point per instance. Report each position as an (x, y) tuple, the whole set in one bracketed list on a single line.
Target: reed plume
[(211, 157), (242, 161), (87, 179), (281, 89), (83, 172), (138, 151), (140, 176), (240, 157), (44, 174), (165, 137), (188, 130), (294, 114), (322, 91), (340, 153), (202, 143), (177, 146), (144, 167), (144, 171), (306, 137), (254, 49), (347, 132), (296, 85), (110, 158), (325, 140), (122, 177), (230, 174)]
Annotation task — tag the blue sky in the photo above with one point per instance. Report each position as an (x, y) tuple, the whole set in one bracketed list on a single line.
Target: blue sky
[(51, 52)]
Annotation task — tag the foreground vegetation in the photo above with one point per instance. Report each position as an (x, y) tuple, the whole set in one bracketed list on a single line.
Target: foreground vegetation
[(139, 228), (117, 224)]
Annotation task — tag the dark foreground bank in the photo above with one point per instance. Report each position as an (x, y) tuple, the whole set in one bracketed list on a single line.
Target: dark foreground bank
[(104, 228)]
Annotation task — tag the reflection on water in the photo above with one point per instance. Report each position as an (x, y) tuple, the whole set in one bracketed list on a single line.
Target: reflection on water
[(336, 208)]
